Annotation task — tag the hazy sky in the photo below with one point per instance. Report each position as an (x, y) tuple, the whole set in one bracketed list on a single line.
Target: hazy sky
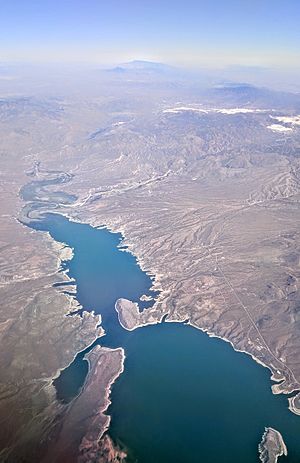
[(187, 32)]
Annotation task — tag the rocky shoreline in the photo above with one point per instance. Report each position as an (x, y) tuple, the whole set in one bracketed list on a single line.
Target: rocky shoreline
[(272, 446), (83, 423)]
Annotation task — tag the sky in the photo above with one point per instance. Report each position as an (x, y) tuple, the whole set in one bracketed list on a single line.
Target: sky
[(191, 33)]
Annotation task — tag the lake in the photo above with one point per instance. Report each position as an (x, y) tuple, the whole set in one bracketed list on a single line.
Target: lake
[(183, 397)]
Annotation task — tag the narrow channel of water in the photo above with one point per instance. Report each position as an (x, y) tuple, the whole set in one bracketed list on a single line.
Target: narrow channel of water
[(183, 397)]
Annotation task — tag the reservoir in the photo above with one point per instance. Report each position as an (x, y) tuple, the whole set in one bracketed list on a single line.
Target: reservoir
[(183, 397)]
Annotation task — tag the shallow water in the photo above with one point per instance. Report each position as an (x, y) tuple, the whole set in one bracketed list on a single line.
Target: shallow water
[(183, 397)]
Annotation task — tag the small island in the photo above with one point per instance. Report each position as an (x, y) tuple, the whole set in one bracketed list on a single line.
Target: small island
[(272, 446)]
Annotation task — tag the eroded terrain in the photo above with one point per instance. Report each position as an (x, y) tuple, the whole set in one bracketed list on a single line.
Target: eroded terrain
[(205, 188)]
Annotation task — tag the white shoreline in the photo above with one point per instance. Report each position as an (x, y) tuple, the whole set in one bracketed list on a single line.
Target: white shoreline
[(262, 446), (156, 286), (109, 386), (66, 253)]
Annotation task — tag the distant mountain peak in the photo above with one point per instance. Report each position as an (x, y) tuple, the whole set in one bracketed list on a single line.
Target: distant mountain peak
[(234, 85), (142, 66)]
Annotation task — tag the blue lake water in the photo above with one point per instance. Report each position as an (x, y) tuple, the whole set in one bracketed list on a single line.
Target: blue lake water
[(183, 397)]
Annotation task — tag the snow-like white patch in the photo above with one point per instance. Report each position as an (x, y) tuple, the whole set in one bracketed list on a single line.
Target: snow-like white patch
[(279, 128), (289, 121), (239, 111), (230, 111), (293, 120), (119, 123), (180, 109)]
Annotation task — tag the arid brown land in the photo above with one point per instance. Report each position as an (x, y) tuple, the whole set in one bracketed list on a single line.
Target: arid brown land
[(206, 193)]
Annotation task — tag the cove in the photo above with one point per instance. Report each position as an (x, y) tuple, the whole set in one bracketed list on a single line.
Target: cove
[(183, 397)]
